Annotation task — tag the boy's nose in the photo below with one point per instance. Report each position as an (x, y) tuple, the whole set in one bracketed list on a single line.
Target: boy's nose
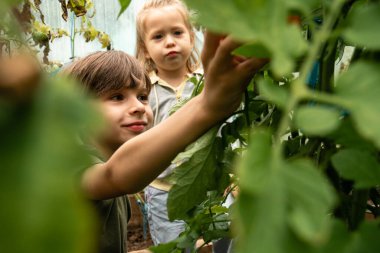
[(136, 107)]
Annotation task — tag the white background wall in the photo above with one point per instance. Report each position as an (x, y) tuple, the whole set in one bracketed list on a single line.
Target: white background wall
[(121, 31)]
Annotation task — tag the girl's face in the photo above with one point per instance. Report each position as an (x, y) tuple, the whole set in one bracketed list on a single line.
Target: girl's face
[(167, 39), (127, 114)]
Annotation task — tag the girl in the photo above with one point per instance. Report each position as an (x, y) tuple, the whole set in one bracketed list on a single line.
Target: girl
[(165, 47)]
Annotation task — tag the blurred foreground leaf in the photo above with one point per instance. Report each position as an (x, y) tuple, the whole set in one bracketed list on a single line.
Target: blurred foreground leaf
[(41, 165), (291, 198), (359, 88)]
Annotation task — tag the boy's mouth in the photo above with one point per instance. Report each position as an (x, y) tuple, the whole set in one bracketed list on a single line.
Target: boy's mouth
[(136, 126)]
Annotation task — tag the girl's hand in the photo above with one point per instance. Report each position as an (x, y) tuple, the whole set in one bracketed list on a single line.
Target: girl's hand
[(226, 76)]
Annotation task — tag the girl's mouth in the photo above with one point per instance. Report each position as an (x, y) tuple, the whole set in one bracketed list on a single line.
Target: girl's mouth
[(173, 53)]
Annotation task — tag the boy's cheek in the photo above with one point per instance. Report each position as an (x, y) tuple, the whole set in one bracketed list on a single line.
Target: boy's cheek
[(150, 125), (149, 115)]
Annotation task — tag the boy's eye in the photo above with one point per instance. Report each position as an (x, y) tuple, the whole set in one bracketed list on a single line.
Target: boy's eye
[(116, 97), (143, 97)]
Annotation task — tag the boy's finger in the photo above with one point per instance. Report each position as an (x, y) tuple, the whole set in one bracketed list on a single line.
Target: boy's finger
[(224, 51), (253, 63), (211, 44)]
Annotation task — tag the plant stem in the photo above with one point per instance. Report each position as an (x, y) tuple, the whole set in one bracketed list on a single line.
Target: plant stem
[(359, 205), (299, 89), (328, 99), (196, 90), (246, 107), (321, 36), (72, 36)]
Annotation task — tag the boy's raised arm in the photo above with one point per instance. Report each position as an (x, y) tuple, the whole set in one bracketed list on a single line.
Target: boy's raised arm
[(140, 160)]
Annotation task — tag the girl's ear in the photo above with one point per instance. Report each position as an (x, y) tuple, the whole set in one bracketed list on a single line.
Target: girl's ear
[(192, 39), (146, 54)]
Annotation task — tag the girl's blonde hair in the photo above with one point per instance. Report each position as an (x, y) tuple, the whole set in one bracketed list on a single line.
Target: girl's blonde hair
[(193, 62)]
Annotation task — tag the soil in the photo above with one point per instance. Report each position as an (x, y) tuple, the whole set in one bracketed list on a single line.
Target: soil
[(136, 239)]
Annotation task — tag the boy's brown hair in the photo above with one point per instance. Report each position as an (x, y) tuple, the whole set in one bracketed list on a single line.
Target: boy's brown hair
[(106, 71), (193, 63)]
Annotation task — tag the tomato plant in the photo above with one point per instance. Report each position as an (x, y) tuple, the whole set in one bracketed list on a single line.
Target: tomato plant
[(307, 160), (303, 149), (38, 35)]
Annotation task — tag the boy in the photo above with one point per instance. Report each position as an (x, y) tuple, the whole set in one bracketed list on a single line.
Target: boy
[(129, 155)]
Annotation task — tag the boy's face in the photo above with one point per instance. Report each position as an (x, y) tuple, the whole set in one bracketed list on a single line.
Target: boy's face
[(167, 39), (127, 114)]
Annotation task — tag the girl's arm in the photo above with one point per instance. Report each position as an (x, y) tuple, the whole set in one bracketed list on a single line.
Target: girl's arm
[(140, 160)]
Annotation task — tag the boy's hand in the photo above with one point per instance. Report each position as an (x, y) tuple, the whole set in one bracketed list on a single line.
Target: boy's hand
[(226, 76), (19, 77)]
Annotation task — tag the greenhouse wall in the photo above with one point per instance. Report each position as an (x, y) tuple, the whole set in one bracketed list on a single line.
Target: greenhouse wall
[(121, 30)]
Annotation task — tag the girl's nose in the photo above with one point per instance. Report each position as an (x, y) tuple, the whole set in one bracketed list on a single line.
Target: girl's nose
[(169, 41)]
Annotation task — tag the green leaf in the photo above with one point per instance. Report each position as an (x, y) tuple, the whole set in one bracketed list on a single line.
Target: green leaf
[(165, 248), (289, 198), (261, 205), (339, 239), (273, 93), (366, 239), (259, 216), (256, 21), (250, 50), (310, 201), (123, 6), (348, 137), (41, 163), (303, 6), (13, 2), (255, 167), (359, 89), (363, 24), (317, 120), (194, 177), (358, 165)]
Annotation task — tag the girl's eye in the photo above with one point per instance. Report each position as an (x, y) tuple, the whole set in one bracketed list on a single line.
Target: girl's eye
[(157, 36), (178, 32), (117, 97)]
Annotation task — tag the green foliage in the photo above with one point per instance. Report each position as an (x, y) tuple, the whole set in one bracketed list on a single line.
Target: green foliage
[(361, 26), (208, 220), (316, 120), (358, 165), (307, 158), (287, 197), (358, 88), (258, 21), (124, 5), (41, 163), (193, 177), (38, 34)]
